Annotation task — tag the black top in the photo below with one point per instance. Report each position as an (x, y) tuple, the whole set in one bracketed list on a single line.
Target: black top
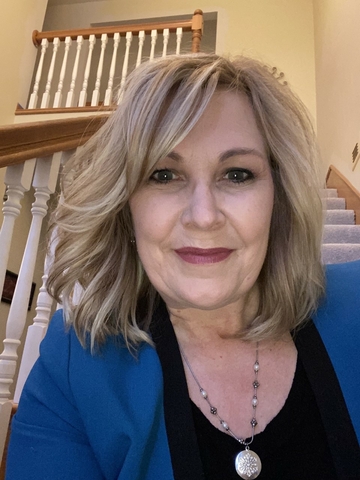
[(293, 445), (328, 425)]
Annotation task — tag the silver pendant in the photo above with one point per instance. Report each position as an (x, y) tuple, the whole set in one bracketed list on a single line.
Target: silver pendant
[(248, 464)]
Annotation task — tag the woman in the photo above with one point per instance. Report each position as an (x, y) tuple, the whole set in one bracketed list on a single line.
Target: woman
[(192, 222)]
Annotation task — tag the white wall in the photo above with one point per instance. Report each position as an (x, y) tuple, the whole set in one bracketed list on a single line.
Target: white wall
[(279, 32), (337, 40)]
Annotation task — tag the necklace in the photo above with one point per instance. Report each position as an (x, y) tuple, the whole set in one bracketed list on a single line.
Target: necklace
[(247, 462)]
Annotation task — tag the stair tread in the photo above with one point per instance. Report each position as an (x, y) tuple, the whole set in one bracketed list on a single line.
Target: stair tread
[(328, 193), (339, 217), (341, 246), (334, 203), (340, 252), (341, 234)]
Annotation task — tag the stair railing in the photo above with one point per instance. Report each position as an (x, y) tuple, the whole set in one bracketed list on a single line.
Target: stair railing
[(78, 68), (32, 155)]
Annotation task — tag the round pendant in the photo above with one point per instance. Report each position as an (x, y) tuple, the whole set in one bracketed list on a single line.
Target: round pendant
[(248, 464)]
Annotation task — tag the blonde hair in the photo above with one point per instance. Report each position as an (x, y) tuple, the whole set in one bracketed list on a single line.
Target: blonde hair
[(160, 104)]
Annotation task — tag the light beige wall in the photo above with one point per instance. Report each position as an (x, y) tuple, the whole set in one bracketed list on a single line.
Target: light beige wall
[(17, 53), (279, 32), (337, 40)]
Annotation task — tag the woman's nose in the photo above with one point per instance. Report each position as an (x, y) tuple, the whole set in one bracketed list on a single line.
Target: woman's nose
[(202, 208)]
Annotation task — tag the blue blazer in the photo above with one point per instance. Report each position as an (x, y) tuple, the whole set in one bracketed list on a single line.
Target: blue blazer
[(102, 417)]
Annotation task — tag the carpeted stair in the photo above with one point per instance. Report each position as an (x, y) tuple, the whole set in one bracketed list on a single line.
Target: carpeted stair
[(341, 239)]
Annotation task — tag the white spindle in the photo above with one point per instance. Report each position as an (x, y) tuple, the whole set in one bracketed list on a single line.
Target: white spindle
[(125, 62), (58, 94), (140, 48), (46, 96), (96, 92), (154, 35), (166, 35), (34, 95), (34, 336), (108, 93), (44, 304), (45, 177), (70, 99), (18, 180), (83, 93), (179, 34)]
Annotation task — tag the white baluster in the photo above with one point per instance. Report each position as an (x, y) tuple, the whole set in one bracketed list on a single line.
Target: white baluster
[(96, 92), (44, 303), (18, 180), (154, 35), (125, 63), (179, 34), (46, 96), (108, 93), (140, 48), (34, 336), (58, 94), (83, 93), (34, 95), (166, 35), (70, 99), (45, 178), (44, 182)]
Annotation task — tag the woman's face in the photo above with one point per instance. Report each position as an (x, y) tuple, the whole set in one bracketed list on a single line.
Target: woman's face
[(202, 220)]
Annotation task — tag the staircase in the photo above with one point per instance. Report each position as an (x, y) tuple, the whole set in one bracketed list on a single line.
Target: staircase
[(341, 239)]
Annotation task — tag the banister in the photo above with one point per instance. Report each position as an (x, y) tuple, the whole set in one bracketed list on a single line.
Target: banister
[(38, 139), (195, 24)]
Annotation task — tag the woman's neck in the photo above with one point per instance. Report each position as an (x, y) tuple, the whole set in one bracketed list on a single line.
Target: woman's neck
[(213, 326)]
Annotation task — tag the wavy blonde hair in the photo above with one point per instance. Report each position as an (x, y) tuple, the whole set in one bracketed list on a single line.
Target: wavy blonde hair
[(160, 104)]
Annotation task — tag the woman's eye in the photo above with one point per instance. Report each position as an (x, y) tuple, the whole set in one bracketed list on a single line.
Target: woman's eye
[(239, 175), (163, 176)]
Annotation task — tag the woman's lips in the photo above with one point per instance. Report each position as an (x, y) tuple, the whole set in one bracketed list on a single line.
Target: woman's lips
[(203, 255)]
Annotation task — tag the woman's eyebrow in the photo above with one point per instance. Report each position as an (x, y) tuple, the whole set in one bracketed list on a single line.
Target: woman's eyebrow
[(233, 152), (241, 152), (175, 156)]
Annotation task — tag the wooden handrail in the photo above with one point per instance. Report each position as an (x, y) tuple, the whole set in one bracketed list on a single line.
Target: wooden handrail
[(195, 25), (39, 139)]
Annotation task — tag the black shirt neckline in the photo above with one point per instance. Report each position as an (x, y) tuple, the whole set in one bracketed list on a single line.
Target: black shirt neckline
[(180, 428)]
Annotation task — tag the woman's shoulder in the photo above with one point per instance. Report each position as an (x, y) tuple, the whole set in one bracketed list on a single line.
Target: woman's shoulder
[(344, 278), (87, 404), (338, 323), (112, 355), (65, 365), (338, 315), (341, 302)]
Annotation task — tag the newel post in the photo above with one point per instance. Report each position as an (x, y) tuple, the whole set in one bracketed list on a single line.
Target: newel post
[(197, 30)]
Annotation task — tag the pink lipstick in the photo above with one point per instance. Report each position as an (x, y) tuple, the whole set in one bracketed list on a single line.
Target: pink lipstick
[(203, 255)]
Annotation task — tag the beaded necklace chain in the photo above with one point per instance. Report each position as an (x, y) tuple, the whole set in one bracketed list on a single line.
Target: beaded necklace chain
[(247, 462)]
